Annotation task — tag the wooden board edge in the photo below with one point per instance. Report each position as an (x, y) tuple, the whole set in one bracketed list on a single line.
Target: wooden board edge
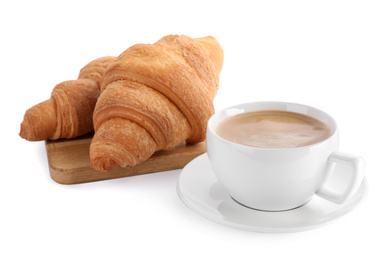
[(173, 159)]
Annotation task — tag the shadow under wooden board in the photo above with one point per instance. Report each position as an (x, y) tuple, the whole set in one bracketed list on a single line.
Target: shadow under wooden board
[(69, 161)]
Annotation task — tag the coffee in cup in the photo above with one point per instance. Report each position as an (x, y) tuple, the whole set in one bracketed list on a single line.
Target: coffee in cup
[(273, 129), (288, 165)]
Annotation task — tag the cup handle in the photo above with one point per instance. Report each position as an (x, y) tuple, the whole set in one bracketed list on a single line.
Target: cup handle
[(356, 165)]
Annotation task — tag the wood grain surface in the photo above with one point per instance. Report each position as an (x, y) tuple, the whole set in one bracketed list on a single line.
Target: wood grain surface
[(69, 161)]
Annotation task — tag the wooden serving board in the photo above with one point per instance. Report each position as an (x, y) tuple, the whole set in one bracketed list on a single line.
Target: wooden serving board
[(69, 161)]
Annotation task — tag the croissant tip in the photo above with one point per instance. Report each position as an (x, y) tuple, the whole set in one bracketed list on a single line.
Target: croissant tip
[(25, 130), (103, 164), (22, 132), (23, 135)]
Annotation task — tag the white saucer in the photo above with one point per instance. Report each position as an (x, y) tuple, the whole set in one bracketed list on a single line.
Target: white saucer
[(199, 189)]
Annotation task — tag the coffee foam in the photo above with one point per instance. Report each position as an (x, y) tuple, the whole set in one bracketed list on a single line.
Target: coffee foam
[(273, 129)]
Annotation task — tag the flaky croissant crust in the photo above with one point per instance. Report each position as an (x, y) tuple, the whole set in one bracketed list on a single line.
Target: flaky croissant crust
[(166, 89), (68, 112), (179, 68)]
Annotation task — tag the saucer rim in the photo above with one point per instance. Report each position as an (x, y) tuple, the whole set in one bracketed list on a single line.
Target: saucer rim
[(262, 229)]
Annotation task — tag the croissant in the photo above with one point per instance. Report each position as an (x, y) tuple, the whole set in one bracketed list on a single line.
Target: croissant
[(68, 112), (154, 97)]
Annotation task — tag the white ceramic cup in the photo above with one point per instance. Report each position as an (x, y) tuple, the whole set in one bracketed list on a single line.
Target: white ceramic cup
[(277, 179)]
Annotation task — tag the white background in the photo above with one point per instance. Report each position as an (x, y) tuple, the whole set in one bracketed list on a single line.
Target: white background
[(334, 55)]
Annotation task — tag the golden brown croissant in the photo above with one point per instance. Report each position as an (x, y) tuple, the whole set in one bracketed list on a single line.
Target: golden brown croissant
[(155, 96), (68, 113)]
